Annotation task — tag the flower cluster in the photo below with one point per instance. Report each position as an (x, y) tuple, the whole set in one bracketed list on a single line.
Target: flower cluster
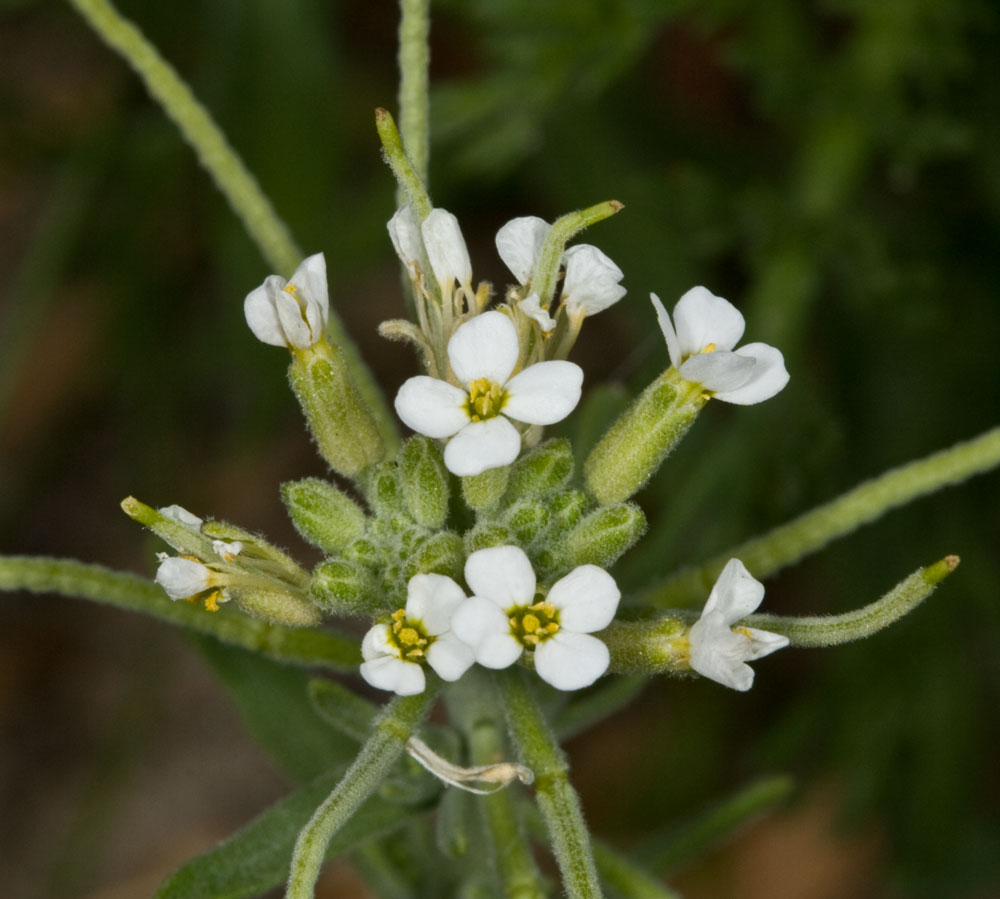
[(506, 617)]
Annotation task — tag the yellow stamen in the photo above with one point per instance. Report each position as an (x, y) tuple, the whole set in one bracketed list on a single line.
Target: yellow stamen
[(709, 348), (530, 623), (486, 399), (212, 601)]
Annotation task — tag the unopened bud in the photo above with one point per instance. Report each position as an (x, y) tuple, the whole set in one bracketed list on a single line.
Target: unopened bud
[(424, 482), (603, 535), (342, 587), (544, 470), (322, 514)]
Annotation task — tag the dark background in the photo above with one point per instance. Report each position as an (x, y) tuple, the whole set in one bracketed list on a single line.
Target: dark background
[(830, 167)]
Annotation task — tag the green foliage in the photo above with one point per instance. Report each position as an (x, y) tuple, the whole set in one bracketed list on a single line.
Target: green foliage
[(322, 514)]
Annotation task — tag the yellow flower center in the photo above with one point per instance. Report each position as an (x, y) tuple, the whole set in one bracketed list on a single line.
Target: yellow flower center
[(533, 624), (486, 399), (409, 637)]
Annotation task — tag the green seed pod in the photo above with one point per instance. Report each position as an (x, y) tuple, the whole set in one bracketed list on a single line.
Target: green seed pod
[(603, 535), (276, 606), (638, 442), (342, 587), (424, 482), (565, 510), (526, 520), (443, 553), (483, 491), (322, 514), (546, 469), (487, 534), (341, 424)]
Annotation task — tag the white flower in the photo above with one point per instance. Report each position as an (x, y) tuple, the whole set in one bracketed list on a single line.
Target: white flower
[(183, 578), (701, 349), (227, 551), (443, 241), (291, 313), (717, 650), (506, 615), (393, 653), (591, 282), (180, 515), (483, 353)]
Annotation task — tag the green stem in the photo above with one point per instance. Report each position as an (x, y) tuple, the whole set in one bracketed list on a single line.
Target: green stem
[(790, 542), (406, 175), (231, 177), (473, 707), (414, 97), (373, 763), (558, 801), (297, 646)]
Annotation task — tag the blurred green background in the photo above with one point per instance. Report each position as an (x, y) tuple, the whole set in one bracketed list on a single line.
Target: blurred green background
[(830, 167)]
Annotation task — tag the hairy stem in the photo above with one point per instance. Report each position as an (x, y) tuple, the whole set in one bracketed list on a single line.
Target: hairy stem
[(297, 646), (237, 185), (377, 756), (414, 99), (558, 801), (810, 532)]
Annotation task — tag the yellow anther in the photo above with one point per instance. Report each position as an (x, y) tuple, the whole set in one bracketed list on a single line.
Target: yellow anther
[(408, 636), (709, 348), (291, 288), (212, 601), (530, 623), (744, 631), (399, 614), (486, 399), (530, 638), (552, 627)]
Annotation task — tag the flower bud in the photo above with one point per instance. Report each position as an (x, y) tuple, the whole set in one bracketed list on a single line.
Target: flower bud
[(638, 442), (441, 553), (322, 514), (483, 491), (603, 535), (544, 470), (526, 520), (383, 490), (565, 511), (342, 587), (487, 534), (341, 424), (424, 482)]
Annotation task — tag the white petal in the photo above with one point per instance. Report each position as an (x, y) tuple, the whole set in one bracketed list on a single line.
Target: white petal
[(432, 407), (180, 515), (702, 318), (403, 678), (531, 306), (484, 347), (519, 244), (404, 232), (446, 248), (571, 661), (261, 313), (450, 657), (501, 574), (225, 550), (483, 626), (587, 599), (591, 282), (736, 593), (430, 599), (669, 335), (290, 314), (719, 654), (310, 279), (718, 371), (182, 578), (767, 378), (763, 643), (544, 393), (376, 644), (482, 445)]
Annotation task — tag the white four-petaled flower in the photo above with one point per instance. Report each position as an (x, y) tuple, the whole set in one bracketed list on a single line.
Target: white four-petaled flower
[(291, 313), (591, 283), (483, 352), (506, 615), (700, 341), (720, 652), (394, 653)]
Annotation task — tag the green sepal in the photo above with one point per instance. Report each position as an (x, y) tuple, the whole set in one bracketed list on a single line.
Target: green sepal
[(565, 511), (424, 482), (384, 491), (544, 470), (603, 535), (342, 587), (276, 606), (342, 426), (258, 556), (322, 514), (483, 491), (441, 553), (642, 437), (487, 534), (526, 520)]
